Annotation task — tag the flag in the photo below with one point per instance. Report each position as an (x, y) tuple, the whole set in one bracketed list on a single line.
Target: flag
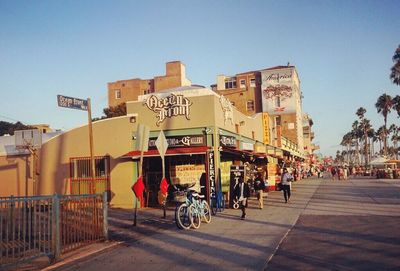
[(138, 189), (164, 186)]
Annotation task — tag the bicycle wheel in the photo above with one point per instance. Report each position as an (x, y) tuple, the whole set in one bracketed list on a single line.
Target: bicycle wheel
[(214, 205), (206, 212), (183, 217), (194, 216)]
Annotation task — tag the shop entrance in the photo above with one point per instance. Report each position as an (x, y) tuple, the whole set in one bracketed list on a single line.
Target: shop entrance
[(179, 169)]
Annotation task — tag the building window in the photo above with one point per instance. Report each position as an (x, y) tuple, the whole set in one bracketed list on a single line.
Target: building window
[(278, 101), (250, 105), (242, 83), (117, 94), (80, 167), (230, 83), (252, 82), (278, 121), (81, 179)]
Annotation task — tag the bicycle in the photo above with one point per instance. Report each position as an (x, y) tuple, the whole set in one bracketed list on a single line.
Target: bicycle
[(191, 209), (217, 203), (199, 210)]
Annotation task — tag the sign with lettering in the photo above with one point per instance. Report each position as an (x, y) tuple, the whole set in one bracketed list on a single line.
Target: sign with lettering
[(211, 174), (168, 107), (237, 173), (70, 102), (181, 141), (227, 141), (265, 118)]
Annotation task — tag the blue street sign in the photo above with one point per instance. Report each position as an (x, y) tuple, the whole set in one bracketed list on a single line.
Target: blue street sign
[(70, 102)]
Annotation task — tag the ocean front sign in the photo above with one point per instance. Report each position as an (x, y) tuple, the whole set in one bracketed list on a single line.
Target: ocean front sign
[(168, 107)]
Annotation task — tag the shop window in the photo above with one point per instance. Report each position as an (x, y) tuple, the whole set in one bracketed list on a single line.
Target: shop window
[(118, 94), (230, 83), (252, 82), (242, 83), (250, 105)]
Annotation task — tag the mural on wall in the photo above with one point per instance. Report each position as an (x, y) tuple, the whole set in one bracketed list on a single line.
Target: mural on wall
[(277, 90), (168, 107), (227, 108)]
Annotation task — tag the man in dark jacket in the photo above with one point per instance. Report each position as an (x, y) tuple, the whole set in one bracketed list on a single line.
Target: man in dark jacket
[(259, 186), (241, 191)]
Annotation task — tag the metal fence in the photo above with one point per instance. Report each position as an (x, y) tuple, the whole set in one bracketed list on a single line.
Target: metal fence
[(38, 226)]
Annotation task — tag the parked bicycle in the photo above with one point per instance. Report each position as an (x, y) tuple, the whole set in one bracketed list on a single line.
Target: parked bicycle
[(217, 203), (191, 208)]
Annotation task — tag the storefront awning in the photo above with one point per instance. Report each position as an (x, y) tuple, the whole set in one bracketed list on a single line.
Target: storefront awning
[(245, 153), (170, 152)]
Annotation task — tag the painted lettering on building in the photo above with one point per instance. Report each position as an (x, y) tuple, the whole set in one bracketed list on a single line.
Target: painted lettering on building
[(279, 77), (211, 174), (181, 141), (227, 141), (168, 107)]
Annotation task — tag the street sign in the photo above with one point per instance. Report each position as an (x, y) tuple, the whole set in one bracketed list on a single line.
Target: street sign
[(162, 144), (142, 137), (70, 102)]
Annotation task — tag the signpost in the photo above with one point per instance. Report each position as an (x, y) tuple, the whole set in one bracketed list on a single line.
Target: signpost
[(80, 104), (142, 144), (162, 146)]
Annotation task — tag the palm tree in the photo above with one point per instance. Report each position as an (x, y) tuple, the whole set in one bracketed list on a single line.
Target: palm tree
[(384, 105), (372, 139), (395, 70), (357, 134), (396, 104), (380, 134), (395, 138), (346, 141), (365, 125)]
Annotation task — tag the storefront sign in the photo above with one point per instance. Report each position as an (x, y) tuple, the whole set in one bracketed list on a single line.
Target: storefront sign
[(265, 117), (227, 141), (168, 107), (181, 141), (237, 173), (211, 174), (247, 146)]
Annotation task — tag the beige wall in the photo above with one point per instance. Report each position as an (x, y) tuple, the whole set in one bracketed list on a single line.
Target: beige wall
[(112, 137), (16, 176), (205, 111)]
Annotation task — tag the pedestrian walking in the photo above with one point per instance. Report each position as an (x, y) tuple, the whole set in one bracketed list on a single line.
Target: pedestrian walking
[(259, 186), (242, 192), (333, 172), (287, 179)]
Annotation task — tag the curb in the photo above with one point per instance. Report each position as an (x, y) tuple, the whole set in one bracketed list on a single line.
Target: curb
[(79, 257)]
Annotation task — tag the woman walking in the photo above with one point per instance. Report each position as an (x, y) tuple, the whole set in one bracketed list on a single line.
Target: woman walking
[(287, 179)]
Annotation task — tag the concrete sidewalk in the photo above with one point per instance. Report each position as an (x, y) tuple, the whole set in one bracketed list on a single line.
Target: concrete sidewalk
[(227, 243), (328, 225)]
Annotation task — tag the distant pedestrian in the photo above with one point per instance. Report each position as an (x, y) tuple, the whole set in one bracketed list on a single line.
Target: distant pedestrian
[(287, 179), (333, 172), (259, 186)]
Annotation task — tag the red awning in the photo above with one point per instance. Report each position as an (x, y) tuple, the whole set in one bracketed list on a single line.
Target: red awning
[(170, 152)]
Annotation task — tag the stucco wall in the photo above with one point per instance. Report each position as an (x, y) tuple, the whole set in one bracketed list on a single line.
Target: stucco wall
[(16, 176), (112, 137)]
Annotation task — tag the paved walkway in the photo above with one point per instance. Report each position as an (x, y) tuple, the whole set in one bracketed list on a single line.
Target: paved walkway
[(328, 225)]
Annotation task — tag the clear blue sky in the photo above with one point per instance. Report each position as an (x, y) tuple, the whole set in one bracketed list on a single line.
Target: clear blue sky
[(341, 49)]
